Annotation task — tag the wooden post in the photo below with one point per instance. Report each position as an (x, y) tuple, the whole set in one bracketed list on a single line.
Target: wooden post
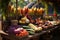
[(16, 8)]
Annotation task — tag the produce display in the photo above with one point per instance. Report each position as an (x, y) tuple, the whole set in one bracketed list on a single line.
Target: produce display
[(21, 23), (17, 30), (26, 11), (22, 33), (31, 17)]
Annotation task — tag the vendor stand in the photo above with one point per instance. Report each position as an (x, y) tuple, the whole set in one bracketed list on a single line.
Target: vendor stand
[(33, 24)]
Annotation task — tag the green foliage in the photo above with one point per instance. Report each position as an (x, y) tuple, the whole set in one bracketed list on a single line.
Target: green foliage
[(4, 4)]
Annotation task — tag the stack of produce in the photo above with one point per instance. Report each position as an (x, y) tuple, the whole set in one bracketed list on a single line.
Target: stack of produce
[(30, 30), (35, 27), (22, 32), (16, 29), (24, 11), (19, 32), (24, 20)]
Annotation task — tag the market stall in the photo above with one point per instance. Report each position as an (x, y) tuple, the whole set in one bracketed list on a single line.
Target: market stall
[(29, 23)]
